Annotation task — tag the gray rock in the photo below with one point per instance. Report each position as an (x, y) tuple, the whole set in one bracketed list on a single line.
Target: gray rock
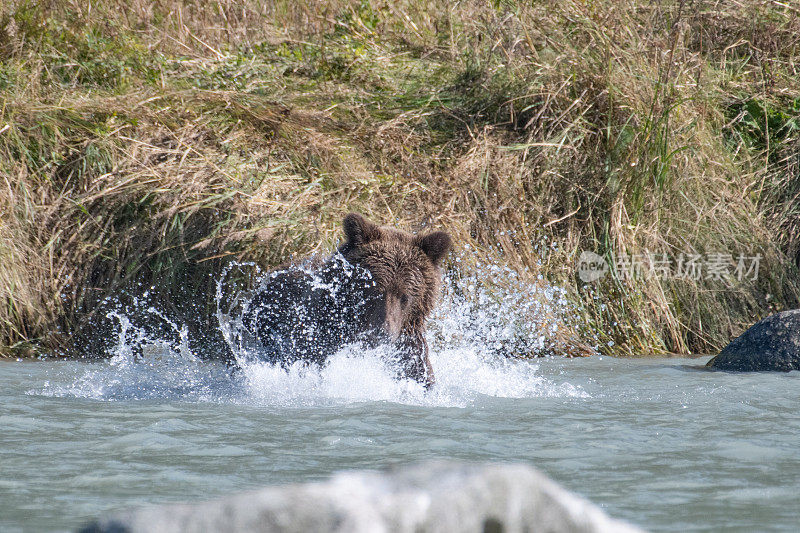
[(772, 344), (428, 497)]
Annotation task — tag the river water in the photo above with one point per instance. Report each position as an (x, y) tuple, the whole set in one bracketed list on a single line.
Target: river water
[(655, 441), (659, 442)]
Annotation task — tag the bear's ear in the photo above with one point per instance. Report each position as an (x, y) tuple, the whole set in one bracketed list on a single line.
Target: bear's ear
[(435, 245), (359, 230)]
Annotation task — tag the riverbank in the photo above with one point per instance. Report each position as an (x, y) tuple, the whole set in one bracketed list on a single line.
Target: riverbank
[(147, 144)]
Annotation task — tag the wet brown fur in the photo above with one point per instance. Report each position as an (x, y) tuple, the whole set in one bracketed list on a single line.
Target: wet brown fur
[(404, 273), (406, 270), (393, 304)]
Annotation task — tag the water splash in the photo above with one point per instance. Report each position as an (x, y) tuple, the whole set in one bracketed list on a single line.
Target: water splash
[(496, 311), (483, 325)]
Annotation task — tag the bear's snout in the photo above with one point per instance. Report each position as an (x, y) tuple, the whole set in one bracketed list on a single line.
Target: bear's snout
[(393, 316), (384, 314)]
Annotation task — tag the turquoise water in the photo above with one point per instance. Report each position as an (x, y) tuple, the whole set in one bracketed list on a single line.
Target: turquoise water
[(654, 441)]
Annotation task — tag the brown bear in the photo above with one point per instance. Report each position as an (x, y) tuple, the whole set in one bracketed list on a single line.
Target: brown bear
[(379, 287)]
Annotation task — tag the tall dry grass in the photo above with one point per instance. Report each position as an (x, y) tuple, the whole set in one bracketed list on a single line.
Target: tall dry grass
[(143, 144)]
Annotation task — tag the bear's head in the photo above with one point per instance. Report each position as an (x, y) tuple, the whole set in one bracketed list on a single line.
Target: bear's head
[(405, 269)]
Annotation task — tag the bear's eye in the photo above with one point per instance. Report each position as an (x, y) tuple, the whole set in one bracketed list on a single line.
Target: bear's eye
[(404, 300)]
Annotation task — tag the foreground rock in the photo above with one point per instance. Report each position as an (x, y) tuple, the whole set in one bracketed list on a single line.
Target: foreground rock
[(429, 497), (772, 344)]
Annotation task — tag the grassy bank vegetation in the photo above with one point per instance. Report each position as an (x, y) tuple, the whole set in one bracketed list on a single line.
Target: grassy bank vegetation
[(147, 143)]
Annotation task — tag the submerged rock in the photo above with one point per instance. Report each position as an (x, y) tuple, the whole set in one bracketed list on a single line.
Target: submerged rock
[(428, 497), (772, 344)]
